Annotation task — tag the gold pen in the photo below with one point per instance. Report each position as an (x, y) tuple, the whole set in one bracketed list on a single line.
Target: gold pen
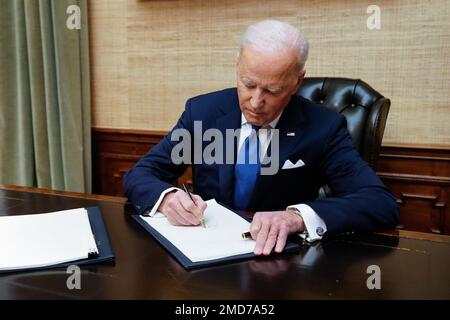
[(202, 220)]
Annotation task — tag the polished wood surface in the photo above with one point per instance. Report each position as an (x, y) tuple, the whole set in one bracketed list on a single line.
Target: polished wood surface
[(411, 266), (65, 193), (419, 176)]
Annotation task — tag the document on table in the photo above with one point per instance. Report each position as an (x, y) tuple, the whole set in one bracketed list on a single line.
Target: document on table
[(39, 240), (221, 238)]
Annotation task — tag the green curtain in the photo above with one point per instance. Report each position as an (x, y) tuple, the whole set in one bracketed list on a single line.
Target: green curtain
[(45, 138)]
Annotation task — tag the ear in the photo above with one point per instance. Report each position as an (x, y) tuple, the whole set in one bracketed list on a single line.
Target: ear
[(300, 78)]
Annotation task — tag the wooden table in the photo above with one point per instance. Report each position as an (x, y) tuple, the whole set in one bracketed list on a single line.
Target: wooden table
[(412, 265)]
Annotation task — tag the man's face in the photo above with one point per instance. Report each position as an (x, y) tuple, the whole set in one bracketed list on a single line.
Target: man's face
[(265, 84)]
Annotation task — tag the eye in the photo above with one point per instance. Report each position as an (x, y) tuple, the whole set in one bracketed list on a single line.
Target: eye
[(273, 92)]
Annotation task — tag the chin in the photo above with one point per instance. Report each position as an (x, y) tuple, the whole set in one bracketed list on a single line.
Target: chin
[(255, 120), (258, 123)]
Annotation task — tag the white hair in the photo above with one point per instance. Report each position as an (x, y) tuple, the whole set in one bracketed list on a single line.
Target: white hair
[(272, 36)]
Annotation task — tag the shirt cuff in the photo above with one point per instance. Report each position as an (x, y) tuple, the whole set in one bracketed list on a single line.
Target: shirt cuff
[(160, 199), (315, 227)]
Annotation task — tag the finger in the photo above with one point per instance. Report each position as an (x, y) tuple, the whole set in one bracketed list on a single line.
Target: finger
[(172, 217), (184, 215), (271, 240), (281, 241), (191, 207), (187, 209), (200, 203), (174, 210), (181, 219), (255, 226), (261, 238)]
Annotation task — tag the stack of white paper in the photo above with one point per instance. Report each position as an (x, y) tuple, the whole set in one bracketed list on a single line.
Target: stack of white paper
[(221, 237), (39, 240)]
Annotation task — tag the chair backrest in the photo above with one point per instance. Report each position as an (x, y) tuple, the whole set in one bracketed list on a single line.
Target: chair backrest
[(365, 109)]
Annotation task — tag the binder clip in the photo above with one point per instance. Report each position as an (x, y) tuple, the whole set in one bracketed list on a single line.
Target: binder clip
[(92, 254)]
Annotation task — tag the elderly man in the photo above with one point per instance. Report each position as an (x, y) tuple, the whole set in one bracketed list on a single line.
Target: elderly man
[(314, 149)]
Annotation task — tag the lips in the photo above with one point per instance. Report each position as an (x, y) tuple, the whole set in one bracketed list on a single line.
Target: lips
[(255, 114)]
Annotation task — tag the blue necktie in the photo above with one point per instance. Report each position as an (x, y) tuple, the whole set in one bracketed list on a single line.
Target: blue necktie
[(246, 170)]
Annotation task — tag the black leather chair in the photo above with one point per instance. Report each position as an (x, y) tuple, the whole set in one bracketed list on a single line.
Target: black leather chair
[(365, 109)]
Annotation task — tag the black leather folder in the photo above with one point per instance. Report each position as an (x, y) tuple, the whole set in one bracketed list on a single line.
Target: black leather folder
[(186, 262)]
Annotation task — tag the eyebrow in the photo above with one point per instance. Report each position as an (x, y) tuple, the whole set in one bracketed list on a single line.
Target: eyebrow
[(247, 81)]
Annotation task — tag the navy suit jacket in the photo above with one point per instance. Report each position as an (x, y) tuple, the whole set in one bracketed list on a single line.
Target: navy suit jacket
[(360, 201)]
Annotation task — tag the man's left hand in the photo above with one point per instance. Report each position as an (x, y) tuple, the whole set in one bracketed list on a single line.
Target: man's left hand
[(271, 229)]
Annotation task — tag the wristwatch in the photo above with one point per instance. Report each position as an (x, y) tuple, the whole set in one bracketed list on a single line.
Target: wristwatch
[(304, 232)]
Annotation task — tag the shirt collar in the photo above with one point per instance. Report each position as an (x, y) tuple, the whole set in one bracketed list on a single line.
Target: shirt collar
[(271, 124)]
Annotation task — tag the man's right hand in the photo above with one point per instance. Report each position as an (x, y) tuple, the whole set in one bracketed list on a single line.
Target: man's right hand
[(180, 210)]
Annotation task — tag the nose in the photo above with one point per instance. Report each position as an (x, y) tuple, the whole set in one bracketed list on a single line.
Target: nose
[(257, 99)]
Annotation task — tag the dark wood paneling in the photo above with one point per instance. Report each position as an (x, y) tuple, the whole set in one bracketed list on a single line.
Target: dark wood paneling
[(420, 180), (116, 151), (419, 177)]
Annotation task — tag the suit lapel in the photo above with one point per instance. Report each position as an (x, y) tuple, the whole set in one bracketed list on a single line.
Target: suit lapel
[(290, 133), (290, 129), (231, 119)]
